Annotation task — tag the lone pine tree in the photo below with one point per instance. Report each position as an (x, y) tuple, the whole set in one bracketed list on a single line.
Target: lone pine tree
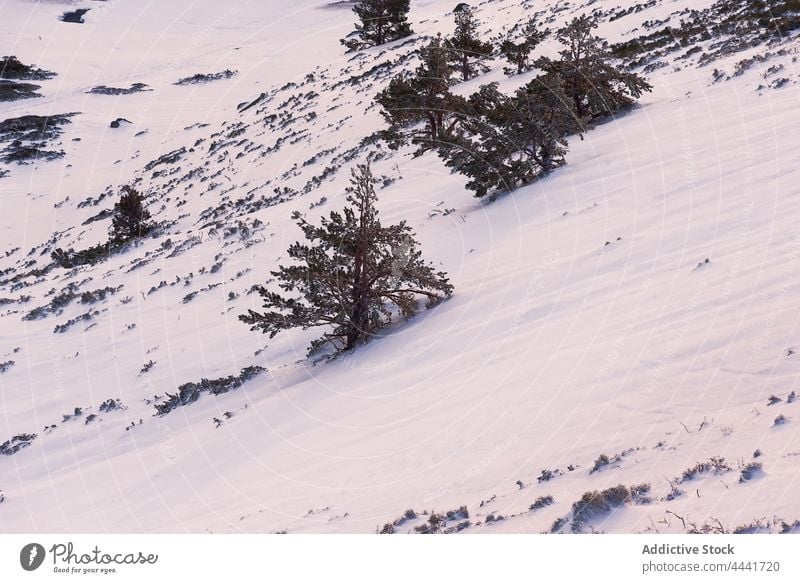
[(380, 21), (130, 219), (517, 51), (596, 87), (350, 276), (466, 48)]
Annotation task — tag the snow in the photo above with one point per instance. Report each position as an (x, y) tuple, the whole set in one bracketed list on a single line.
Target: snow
[(555, 348)]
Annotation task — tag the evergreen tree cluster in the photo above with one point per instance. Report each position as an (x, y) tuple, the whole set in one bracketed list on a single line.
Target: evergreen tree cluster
[(501, 142), (424, 96)]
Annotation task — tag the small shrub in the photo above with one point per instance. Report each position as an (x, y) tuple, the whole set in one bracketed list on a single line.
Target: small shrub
[(111, 405), (750, 471), (717, 465), (189, 392), (16, 443), (753, 528), (542, 502), (545, 476), (459, 514), (600, 463), (596, 503), (435, 524)]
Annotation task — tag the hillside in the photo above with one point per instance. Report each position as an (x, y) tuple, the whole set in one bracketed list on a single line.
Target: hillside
[(622, 321)]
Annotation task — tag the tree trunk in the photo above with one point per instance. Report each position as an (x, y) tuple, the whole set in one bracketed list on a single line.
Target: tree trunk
[(357, 326), (432, 127)]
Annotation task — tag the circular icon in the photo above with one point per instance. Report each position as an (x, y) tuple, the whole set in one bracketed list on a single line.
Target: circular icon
[(31, 556)]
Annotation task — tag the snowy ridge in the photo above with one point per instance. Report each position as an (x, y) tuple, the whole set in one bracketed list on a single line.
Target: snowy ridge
[(617, 323)]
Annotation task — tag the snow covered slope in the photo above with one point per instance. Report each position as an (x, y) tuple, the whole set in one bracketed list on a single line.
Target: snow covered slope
[(619, 322)]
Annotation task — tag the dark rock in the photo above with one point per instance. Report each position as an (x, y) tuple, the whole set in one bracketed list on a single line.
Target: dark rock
[(75, 16)]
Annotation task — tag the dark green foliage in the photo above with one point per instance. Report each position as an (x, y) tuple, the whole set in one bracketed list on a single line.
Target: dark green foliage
[(27, 137), (12, 68), (734, 25), (131, 219), (134, 88), (98, 295), (424, 97), (517, 51), (56, 305), (189, 392), (542, 502), (503, 142), (596, 87), (206, 77), (602, 461), (595, 503), (350, 275), (716, 465), (750, 471), (111, 405), (459, 513), (14, 91), (514, 140), (436, 522), (71, 258), (466, 48), (16, 443), (380, 21)]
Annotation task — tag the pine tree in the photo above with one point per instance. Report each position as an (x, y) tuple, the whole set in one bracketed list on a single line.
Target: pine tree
[(350, 275), (541, 119), (596, 87), (517, 52), (466, 47), (514, 140), (380, 21), (424, 97), (130, 219)]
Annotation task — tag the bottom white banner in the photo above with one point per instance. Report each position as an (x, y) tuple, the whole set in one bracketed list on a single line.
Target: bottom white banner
[(356, 558)]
